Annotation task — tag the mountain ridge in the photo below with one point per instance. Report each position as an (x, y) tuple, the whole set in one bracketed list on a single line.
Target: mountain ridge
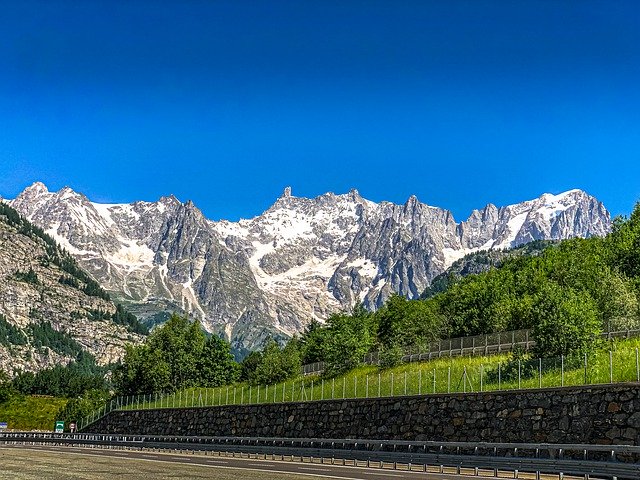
[(300, 259)]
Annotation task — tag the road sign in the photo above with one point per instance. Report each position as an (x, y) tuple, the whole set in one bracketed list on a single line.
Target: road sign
[(59, 427), (3, 425), (72, 427)]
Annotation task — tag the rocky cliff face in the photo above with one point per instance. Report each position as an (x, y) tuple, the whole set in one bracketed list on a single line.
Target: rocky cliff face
[(301, 259), (35, 291)]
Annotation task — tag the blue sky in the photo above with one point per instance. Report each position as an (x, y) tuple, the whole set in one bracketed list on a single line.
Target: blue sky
[(225, 103)]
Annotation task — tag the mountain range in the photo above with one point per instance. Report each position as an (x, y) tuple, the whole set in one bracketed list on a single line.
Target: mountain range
[(301, 259)]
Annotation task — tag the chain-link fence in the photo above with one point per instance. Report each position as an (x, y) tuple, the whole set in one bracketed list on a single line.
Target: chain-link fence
[(450, 347)]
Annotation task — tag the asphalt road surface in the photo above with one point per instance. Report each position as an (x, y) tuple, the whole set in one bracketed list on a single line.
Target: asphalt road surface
[(58, 463)]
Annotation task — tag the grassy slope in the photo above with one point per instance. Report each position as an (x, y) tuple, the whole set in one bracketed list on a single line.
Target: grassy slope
[(464, 374), (31, 413)]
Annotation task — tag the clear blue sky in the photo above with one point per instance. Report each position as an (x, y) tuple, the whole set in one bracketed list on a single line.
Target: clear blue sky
[(227, 102)]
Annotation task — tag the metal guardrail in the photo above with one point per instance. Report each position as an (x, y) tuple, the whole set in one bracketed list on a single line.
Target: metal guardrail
[(589, 461)]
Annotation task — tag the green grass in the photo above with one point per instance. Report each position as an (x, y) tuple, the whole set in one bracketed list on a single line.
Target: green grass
[(444, 375), (31, 413)]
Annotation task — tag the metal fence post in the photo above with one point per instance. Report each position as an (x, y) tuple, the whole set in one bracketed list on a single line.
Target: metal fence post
[(344, 386), (420, 382), (499, 375), (585, 368), (562, 369), (434, 380), (449, 381), (637, 367), (540, 373), (379, 385), (610, 366), (392, 389), (519, 374), (405, 382), (366, 394), (481, 375), (464, 379)]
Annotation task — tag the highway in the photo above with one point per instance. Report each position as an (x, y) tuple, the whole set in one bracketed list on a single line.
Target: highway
[(341, 458), (245, 468)]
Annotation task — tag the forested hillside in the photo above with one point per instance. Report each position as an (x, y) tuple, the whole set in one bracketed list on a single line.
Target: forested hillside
[(52, 311)]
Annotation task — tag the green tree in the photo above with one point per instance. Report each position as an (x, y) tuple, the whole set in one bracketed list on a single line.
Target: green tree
[(180, 342), (566, 322), (216, 365), (277, 363), (176, 355), (349, 338), (143, 370), (249, 365), (6, 388), (403, 323), (312, 342), (624, 243)]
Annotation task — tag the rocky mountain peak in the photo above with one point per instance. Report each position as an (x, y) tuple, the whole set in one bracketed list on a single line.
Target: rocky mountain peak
[(169, 200), (35, 188)]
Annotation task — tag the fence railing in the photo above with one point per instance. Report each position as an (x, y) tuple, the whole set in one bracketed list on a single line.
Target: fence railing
[(444, 375), (450, 347), (465, 346)]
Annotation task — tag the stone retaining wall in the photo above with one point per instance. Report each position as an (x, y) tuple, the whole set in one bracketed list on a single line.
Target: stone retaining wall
[(595, 414)]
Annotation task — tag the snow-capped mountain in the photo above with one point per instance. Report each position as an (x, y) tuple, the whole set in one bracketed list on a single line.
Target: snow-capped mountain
[(301, 259)]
